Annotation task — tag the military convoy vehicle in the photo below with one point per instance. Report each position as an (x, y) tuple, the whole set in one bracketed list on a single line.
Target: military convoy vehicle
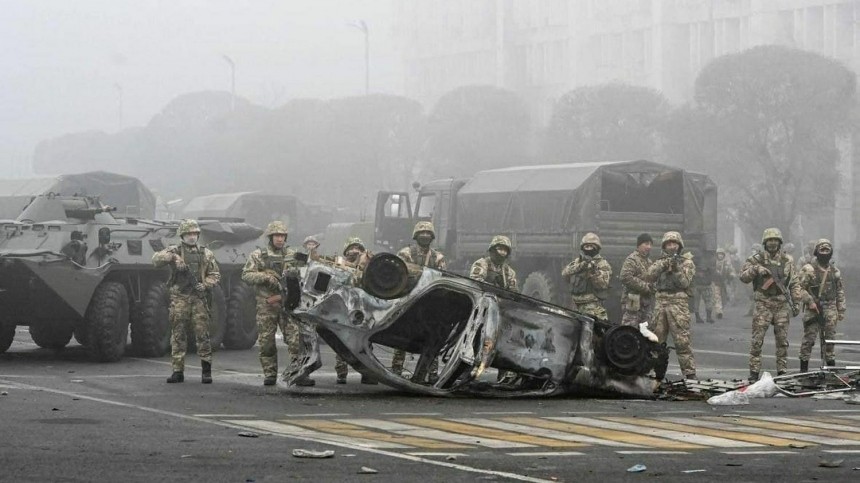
[(546, 210), (69, 268)]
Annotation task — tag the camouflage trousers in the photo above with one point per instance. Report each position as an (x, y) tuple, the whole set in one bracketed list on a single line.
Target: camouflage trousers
[(592, 308), (672, 316), (270, 318), (188, 311), (399, 359), (710, 294), (770, 311), (635, 317), (341, 368), (812, 328)]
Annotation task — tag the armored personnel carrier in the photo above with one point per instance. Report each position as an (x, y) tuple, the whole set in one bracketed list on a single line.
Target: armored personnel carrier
[(69, 268)]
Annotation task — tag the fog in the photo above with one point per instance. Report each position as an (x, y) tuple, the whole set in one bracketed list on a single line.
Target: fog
[(66, 64)]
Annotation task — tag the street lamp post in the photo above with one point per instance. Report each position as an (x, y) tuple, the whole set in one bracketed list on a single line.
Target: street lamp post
[(362, 25), (232, 81)]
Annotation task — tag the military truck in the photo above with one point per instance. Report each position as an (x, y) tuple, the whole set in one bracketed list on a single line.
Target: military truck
[(547, 209), (68, 268)]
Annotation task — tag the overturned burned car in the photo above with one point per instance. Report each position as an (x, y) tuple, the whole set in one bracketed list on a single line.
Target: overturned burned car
[(470, 326)]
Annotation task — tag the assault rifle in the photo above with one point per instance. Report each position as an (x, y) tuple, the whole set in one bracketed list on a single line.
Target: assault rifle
[(779, 282)]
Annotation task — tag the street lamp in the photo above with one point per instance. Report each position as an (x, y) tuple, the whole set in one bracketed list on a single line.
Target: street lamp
[(118, 88), (362, 25), (232, 81)]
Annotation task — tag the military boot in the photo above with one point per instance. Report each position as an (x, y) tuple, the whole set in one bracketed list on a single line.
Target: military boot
[(691, 376), (207, 372), (719, 315), (699, 319), (804, 366), (753, 376), (270, 380), (708, 315), (177, 376), (831, 362)]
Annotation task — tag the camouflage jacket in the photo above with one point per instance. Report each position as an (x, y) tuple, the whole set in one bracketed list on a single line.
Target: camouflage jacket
[(426, 258), (672, 280), (209, 273), (633, 276), (265, 263), (724, 271), (782, 264), (484, 270), (810, 280), (588, 278)]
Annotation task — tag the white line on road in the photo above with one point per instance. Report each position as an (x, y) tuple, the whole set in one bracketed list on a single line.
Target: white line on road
[(544, 433), (458, 455), (225, 415), (651, 452), (291, 430), (410, 414), (549, 453), (808, 424), (390, 454), (317, 415), (661, 433), (419, 432), (501, 412), (837, 411), (757, 452), (841, 451), (809, 438)]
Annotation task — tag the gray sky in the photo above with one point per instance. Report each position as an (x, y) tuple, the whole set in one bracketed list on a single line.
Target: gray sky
[(62, 60)]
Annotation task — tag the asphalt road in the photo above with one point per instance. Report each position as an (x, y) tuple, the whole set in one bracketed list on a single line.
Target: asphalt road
[(68, 419)]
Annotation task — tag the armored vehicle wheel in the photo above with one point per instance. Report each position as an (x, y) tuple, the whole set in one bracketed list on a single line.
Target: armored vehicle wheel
[(241, 330), (52, 334), (80, 333), (150, 324), (541, 286), (7, 334), (107, 322)]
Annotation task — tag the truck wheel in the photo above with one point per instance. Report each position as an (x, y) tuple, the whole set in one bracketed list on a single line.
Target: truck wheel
[(241, 330), (219, 317), (7, 335), (541, 286), (107, 322), (52, 334), (150, 324), (80, 333)]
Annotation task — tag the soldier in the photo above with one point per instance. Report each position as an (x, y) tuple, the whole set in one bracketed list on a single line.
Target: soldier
[(735, 264), (588, 276), (263, 271), (672, 276), (193, 273), (422, 254), (357, 255), (824, 302), (777, 296), (703, 290), (637, 293), (756, 249), (494, 268), (723, 277)]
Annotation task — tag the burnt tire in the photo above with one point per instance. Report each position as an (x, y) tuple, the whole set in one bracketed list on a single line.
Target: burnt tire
[(540, 285), (7, 335), (107, 320), (241, 328), (150, 324), (51, 335)]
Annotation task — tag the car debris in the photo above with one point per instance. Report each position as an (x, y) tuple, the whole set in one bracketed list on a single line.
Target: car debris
[(637, 468), (469, 326), (309, 453), (367, 471)]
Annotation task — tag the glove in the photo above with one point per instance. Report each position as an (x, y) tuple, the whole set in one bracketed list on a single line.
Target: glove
[(840, 316), (200, 288), (762, 271), (179, 263), (273, 281), (795, 310)]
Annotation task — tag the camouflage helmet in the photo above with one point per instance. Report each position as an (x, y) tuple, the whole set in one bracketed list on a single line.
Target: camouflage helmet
[(771, 233), (353, 240), (500, 240), (757, 247), (788, 248), (276, 228), (672, 236), (721, 251), (590, 238), (188, 226), (423, 226), (820, 243)]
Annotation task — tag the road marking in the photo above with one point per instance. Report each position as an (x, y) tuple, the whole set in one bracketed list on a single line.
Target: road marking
[(291, 430), (809, 423), (241, 426), (838, 411), (791, 428), (355, 431), (416, 431), (841, 451), (810, 438), (757, 452), (500, 413), (650, 451), (676, 426), (606, 437), (542, 432), (457, 455), (317, 415), (225, 415), (482, 432), (662, 433), (410, 414), (548, 453)]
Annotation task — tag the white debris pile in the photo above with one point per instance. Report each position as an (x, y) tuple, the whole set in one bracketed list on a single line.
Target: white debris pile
[(764, 387)]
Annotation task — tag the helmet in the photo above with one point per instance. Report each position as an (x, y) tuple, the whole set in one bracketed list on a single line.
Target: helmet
[(770, 233), (276, 228), (757, 247), (188, 226), (672, 236), (721, 250), (310, 239), (353, 240), (590, 238), (500, 240), (821, 242), (423, 226), (788, 248)]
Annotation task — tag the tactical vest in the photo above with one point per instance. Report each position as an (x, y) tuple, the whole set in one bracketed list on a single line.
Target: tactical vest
[(195, 262), (496, 277), (778, 272), (419, 259), (580, 284), (275, 262), (830, 289)]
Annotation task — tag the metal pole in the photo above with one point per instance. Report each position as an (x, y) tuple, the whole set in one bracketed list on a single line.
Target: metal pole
[(366, 57), (232, 81)]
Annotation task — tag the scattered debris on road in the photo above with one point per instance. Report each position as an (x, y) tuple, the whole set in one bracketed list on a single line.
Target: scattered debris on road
[(248, 434), (831, 463), (367, 471), (637, 468), (309, 453)]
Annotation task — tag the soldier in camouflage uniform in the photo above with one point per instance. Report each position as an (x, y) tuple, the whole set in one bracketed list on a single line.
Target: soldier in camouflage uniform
[(588, 276), (732, 284), (193, 273), (263, 271), (672, 276), (357, 255), (824, 302), (704, 291), (494, 268), (770, 271), (421, 254), (723, 277), (637, 293)]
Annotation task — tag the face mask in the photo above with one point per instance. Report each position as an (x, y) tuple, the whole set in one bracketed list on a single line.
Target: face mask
[(190, 239), (424, 240), (772, 246), (352, 255), (591, 252)]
